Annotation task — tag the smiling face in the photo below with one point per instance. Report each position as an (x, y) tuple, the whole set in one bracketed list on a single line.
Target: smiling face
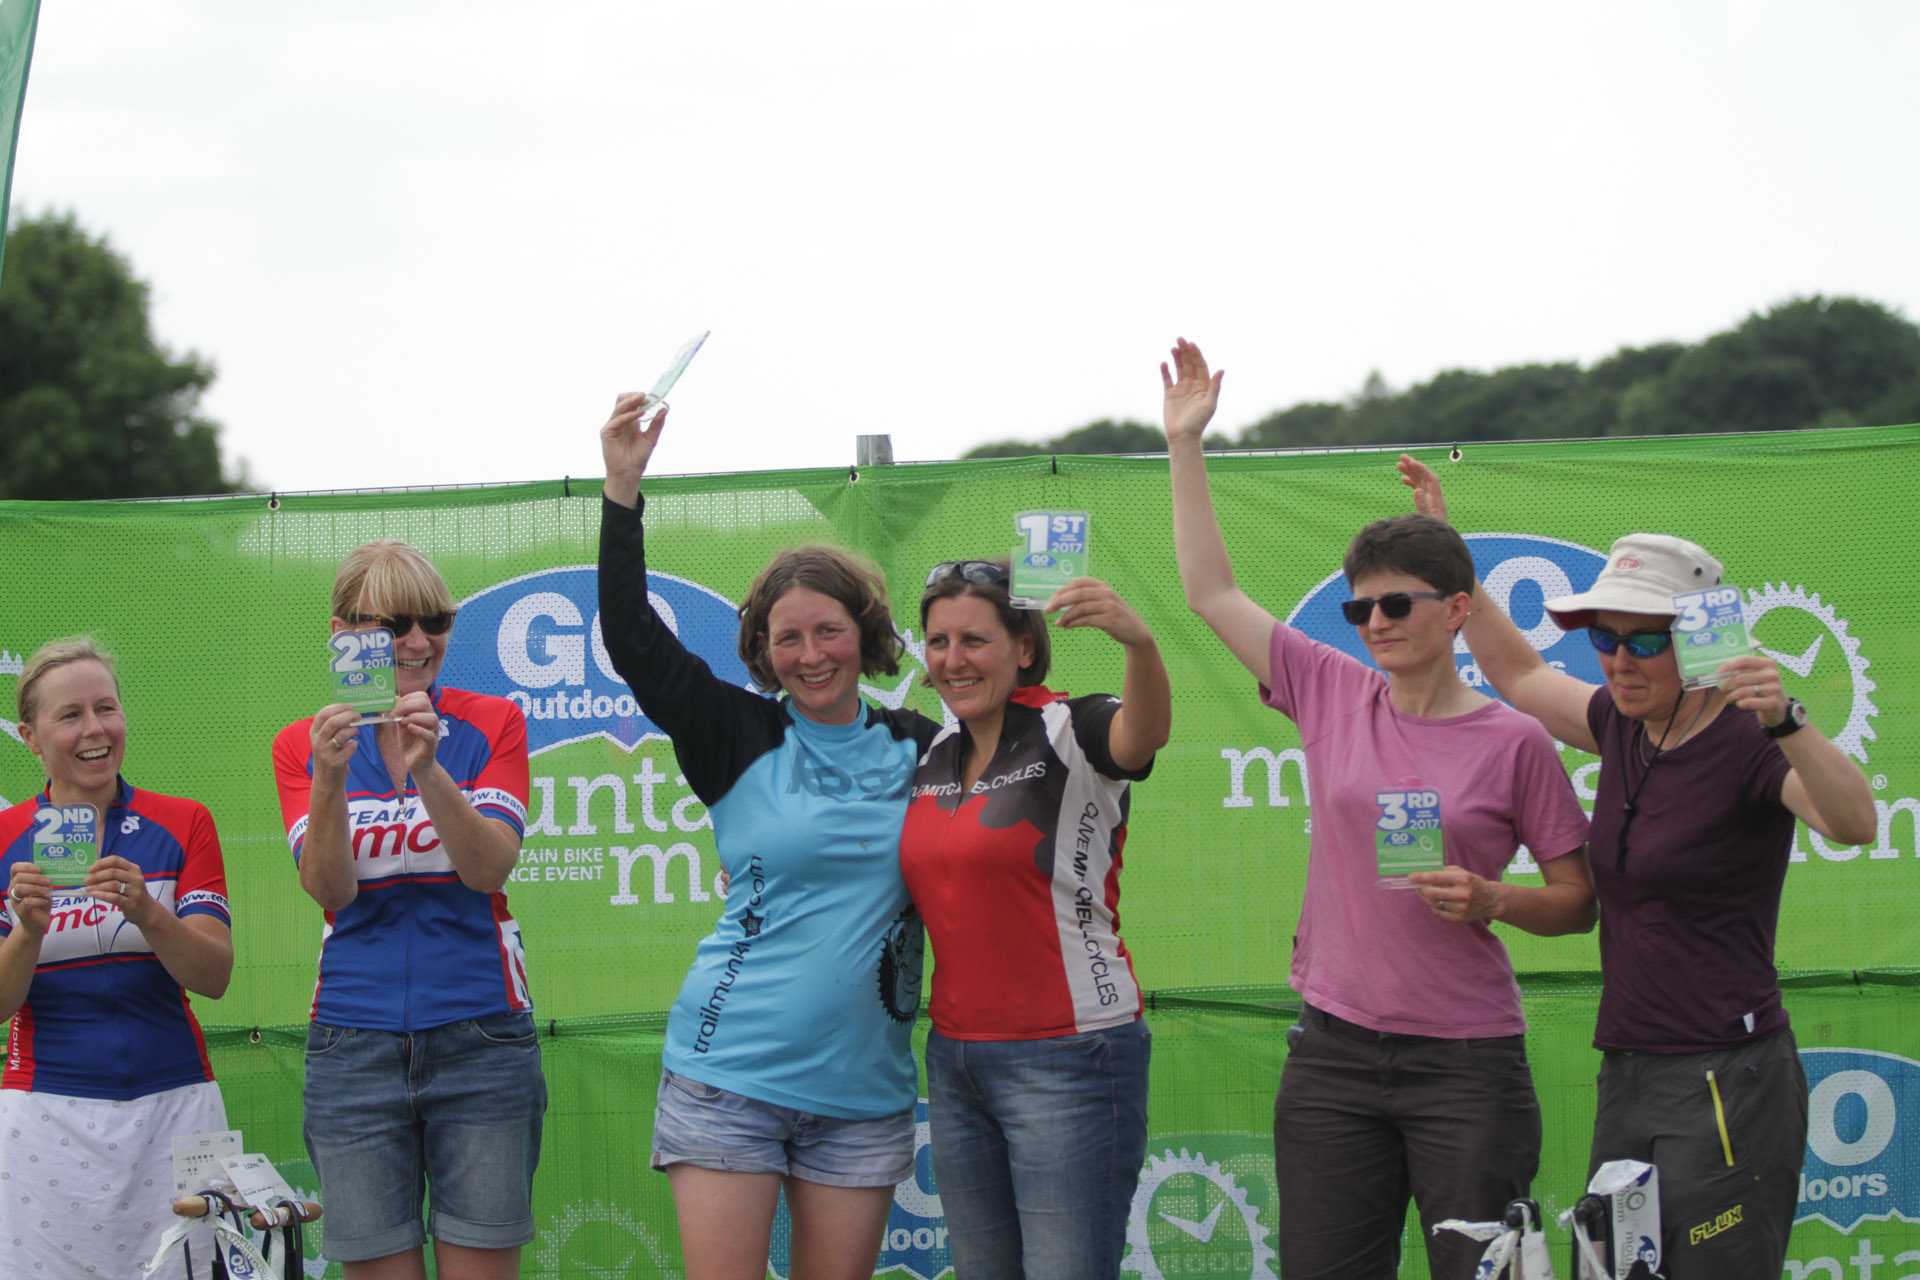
[(814, 648), (79, 731), (1642, 688), (974, 661), (1416, 643)]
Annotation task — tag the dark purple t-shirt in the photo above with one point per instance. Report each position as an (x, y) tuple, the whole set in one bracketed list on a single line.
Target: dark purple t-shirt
[(1687, 928)]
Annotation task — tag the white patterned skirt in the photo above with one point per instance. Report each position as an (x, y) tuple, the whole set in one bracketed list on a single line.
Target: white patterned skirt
[(86, 1185)]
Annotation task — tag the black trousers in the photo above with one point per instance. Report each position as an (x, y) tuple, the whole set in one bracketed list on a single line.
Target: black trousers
[(1366, 1120), (1727, 1199)]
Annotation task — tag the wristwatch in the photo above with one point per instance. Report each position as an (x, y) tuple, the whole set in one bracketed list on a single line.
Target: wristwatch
[(1793, 722)]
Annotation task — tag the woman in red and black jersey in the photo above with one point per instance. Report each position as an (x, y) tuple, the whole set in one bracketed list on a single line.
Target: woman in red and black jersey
[(1037, 1061)]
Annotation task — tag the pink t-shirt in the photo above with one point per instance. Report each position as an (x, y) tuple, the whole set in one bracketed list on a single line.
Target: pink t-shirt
[(1379, 956)]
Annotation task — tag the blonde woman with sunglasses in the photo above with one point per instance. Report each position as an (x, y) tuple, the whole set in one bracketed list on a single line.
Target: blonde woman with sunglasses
[(1692, 828), (423, 1065), (1407, 1075)]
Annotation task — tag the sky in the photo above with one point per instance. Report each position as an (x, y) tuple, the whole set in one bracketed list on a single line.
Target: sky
[(427, 243)]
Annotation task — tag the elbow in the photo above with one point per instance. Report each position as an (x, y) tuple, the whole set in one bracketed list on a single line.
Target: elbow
[(333, 898), (1855, 829), (215, 985)]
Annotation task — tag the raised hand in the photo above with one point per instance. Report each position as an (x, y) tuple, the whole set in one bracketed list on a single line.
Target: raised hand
[(1191, 399), (1418, 476), (1089, 602), (626, 446)]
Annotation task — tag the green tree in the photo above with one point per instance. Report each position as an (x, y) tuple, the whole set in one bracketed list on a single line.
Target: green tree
[(1104, 436), (91, 406)]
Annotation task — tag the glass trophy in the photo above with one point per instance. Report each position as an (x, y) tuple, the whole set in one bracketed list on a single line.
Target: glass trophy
[(657, 397), (66, 842), (360, 673), (1052, 553), (1709, 627)]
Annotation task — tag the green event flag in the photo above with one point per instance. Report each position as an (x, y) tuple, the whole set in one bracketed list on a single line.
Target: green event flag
[(18, 18)]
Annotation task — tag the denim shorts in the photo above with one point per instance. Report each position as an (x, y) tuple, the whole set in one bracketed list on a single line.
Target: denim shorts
[(697, 1124), (456, 1109)]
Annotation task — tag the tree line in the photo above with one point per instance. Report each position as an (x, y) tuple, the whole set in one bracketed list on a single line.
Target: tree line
[(92, 405), (1808, 362)]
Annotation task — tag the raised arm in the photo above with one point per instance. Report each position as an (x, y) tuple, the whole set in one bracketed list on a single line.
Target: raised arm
[(1826, 790), (1205, 571), (1513, 666), (1145, 719)]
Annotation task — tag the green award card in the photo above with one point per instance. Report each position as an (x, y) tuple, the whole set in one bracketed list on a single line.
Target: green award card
[(657, 397), (65, 842), (1407, 837), (1052, 553), (360, 672), (1708, 628)]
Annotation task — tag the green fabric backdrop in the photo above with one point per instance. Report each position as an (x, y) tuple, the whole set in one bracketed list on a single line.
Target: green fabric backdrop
[(217, 610)]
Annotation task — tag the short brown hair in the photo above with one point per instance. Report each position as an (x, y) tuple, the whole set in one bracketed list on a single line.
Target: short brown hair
[(52, 654), (389, 577), (1419, 546), (1030, 623), (856, 584)]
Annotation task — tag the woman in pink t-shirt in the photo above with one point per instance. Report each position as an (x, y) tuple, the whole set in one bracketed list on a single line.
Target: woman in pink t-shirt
[(1407, 1075)]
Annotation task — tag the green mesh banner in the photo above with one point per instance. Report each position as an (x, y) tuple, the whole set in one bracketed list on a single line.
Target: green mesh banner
[(218, 613)]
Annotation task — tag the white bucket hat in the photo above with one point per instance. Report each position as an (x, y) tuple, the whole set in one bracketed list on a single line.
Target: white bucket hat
[(1644, 572)]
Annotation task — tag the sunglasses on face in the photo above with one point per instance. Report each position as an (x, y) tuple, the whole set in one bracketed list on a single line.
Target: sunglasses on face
[(1395, 604), (433, 624), (1643, 644), (984, 572)]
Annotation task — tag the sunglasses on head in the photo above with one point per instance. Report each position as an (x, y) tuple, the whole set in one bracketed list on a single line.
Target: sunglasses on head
[(984, 572), (1395, 604), (434, 624), (1642, 644)]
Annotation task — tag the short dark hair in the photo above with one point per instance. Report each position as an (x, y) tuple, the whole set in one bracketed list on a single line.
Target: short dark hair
[(840, 575), (1419, 546), (1030, 623)]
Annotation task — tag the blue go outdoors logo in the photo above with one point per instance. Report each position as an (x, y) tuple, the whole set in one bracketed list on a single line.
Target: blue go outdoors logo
[(1520, 573), (1863, 1138), (916, 1237), (536, 641)]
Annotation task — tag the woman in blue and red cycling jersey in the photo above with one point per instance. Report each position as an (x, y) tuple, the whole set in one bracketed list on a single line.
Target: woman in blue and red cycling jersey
[(423, 1066), (105, 1060)]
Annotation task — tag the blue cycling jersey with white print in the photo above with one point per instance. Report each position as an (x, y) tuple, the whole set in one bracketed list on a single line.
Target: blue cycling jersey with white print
[(103, 1018), (416, 948), (804, 994)]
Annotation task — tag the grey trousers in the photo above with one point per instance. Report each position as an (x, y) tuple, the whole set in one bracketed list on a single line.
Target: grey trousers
[(1366, 1120), (1720, 1217)]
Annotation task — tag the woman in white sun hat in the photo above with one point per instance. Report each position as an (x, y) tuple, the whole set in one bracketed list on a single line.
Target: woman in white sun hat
[(1698, 794)]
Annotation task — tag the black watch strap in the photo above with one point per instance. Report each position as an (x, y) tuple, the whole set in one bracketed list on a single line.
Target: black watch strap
[(1791, 723)]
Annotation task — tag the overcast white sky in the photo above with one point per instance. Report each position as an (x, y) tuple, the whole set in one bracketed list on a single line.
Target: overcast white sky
[(427, 242)]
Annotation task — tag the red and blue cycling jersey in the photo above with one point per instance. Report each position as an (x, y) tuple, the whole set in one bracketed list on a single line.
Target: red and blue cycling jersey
[(416, 948), (104, 1018)]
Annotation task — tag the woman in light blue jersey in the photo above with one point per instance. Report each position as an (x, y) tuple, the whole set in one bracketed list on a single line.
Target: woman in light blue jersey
[(787, 1062)]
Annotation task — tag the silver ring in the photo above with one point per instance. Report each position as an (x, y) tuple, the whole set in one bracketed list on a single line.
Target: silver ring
[(121, 887)]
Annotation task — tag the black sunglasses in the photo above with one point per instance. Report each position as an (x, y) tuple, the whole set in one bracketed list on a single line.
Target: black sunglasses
[(1395, 604), (434, 624), (984, 572), (1642, 644)]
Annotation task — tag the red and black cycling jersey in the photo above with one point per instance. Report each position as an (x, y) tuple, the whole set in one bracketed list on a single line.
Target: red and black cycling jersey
[(1018, 880)]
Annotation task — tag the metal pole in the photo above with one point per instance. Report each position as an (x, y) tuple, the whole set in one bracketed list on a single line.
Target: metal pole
[(873, 451)]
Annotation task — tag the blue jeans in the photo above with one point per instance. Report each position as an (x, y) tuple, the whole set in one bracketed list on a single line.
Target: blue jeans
[(699, 1124), (1037, 1148), (455, 1108)]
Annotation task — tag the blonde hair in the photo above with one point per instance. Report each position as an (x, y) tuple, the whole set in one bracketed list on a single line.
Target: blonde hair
[(57, 653), (389, 577)]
